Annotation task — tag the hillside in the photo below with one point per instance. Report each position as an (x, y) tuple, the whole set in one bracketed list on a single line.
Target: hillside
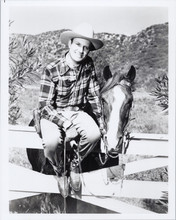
[(147, 51)]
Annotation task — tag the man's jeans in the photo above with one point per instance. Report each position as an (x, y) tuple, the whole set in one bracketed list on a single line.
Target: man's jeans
[(53, 136)]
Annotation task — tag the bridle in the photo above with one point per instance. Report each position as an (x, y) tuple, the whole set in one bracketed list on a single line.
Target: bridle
[(122, 146), (124, 139)]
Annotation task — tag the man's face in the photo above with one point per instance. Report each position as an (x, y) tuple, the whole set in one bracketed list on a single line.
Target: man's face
[(79, 49)]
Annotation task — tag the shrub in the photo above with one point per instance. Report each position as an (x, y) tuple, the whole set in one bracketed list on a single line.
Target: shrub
[(23, 67), (161, 92)]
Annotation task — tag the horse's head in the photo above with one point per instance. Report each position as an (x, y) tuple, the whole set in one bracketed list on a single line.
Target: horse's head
[(117, 100)]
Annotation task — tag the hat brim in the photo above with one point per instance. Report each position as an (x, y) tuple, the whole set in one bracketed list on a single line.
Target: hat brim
[(68, 35)]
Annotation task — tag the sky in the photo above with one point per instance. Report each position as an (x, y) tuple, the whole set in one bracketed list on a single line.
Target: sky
[(119, 20)]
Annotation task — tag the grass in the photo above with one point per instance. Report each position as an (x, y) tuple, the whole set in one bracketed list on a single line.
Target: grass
[(18, 156), (147, 116), (28, 101)]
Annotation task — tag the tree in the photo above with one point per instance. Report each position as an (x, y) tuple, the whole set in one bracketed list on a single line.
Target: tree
[(23, 67)]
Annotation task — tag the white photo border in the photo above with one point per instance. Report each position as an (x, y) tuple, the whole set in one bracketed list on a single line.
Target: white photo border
[(5, 4)]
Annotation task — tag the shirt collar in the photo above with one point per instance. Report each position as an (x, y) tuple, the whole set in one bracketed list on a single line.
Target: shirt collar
[(63, 65)]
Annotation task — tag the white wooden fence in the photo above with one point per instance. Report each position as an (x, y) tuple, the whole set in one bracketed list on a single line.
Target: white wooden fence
[(96, 184)]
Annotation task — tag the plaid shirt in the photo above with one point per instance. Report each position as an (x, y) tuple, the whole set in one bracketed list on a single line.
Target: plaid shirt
[(63, 88)]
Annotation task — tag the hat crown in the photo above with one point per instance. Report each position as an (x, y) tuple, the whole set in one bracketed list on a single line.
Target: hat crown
[(84, 29)]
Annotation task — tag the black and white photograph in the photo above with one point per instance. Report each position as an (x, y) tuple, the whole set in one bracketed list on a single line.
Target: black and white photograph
[(88, 109)]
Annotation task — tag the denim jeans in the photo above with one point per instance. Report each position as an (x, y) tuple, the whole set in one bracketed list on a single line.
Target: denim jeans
[(53, 136)]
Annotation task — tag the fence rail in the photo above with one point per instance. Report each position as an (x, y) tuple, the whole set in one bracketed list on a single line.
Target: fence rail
[(141, 144), (145, 144)]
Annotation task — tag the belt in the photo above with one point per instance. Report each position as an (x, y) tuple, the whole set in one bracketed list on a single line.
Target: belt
[(68, 108)]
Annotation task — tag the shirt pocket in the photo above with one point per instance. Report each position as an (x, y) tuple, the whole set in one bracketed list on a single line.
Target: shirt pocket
[(65, 85)]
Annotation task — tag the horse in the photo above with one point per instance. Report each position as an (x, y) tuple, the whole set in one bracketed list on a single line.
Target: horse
[(117, 98)]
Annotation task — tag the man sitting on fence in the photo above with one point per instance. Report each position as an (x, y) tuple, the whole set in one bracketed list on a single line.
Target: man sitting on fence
[(67, 86)]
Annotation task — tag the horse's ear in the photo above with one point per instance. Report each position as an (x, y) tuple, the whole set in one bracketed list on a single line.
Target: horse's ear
[(107, 73), (130, 76)]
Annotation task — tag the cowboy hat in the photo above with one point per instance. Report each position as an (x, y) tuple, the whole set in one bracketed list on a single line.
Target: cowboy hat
[(83, 31)]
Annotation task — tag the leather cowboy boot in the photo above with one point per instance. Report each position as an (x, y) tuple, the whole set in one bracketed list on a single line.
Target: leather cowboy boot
[(62, 179)]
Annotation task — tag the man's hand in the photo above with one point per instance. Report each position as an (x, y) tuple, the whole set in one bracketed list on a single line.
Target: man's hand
[(71, 133)]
